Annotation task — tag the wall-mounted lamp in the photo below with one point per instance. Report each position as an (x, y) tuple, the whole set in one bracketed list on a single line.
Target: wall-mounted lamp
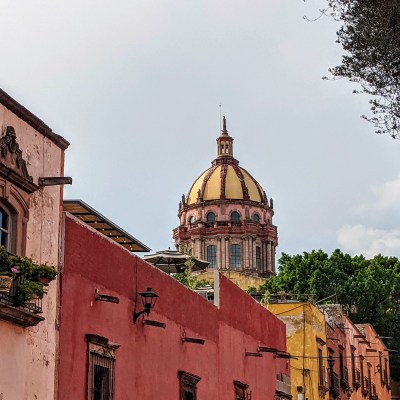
[(149, 299), (331, 362)]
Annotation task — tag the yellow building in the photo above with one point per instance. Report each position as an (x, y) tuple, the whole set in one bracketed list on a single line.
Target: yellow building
[(306, 342)]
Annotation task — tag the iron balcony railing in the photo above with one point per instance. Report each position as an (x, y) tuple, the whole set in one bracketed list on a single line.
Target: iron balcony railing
[(344, 379), (334, 388), (34, 306)]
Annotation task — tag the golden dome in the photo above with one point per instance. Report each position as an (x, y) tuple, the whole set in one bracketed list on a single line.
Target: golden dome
[(225, 181)]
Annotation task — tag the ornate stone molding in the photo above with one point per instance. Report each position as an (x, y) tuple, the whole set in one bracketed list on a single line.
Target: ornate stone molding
[(12, 165)]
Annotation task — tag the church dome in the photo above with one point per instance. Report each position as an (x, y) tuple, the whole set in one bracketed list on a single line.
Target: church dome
[(225, 181)]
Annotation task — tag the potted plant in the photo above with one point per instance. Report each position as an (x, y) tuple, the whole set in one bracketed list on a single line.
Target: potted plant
[(6, 275), (29, 278), (27, 291), (43, 273)]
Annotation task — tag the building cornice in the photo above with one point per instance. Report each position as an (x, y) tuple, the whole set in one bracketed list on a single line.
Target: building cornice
[(23, 113)]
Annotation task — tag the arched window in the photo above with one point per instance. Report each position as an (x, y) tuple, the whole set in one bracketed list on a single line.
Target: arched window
[(5, 229), (210, 217), (235, 256), (191, 219), (235, 216), (212, 256), (256, 218)]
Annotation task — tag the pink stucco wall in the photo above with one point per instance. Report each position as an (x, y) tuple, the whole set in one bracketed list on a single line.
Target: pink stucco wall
[(28, 355), (149, 358)]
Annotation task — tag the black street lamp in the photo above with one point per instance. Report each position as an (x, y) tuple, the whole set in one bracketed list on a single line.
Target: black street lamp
[(149, 299)]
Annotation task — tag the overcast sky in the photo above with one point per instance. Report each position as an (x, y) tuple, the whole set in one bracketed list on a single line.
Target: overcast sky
[(135, 87)]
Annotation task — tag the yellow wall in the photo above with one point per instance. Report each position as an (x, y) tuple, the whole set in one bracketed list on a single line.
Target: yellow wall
[(305, 329), (242, 280)]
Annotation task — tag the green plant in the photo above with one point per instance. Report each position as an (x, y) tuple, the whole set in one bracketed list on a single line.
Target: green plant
[(43, 271), (27, 291), (29, 278)]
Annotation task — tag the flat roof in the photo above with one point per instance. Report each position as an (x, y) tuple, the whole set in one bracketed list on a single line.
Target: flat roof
[(103, 225)]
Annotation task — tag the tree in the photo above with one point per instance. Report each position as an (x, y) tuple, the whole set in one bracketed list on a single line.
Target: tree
[(370, 36), (368, 290), (188, 279)]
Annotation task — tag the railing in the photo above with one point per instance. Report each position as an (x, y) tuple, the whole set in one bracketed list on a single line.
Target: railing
[(334, 388), (34, 306), (344, 381), (357, 381)]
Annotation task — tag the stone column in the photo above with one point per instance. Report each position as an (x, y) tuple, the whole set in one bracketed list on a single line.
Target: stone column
[(219, 254), (273, 250), (243, 254), (227, 253), (263, 256), (269, 262)]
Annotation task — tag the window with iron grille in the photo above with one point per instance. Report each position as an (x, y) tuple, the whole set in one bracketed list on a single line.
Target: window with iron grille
[(321, 371), (235, 256), (212, 256), (101, 374), (188, 385), (241, 391), (258, 257), (362, 372)]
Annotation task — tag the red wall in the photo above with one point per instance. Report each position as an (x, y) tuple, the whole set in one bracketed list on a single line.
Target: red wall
[(149, 358)]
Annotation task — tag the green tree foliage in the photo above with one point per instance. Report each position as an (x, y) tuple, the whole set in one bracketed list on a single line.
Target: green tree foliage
[(190, 280), (370, 36), (369, 290)]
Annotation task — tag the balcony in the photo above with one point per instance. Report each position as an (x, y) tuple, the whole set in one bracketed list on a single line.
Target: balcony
[(357, 380), (334, 388), (344, 379), (12, 310)]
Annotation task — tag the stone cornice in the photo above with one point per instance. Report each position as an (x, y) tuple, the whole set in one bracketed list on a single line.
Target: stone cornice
[(21, 112)]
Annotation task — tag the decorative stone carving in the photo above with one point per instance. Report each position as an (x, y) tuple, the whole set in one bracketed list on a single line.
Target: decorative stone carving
[(12, 165)]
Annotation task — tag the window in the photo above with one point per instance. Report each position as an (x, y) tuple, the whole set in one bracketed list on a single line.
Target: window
[(188, 385), (235, 216), (191, 219), (362, 372), (341, 366), (212, 256), (4, 229), (236, 257), (210, 217), (256, 218), (101, 375), (258, 257), (241, 392), (353, 366), (321, 371)]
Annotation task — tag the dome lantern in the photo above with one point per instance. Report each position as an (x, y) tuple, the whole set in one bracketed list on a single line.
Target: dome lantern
[(224, 142)]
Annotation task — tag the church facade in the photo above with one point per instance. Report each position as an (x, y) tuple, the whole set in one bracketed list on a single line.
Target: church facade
[(226, 217)]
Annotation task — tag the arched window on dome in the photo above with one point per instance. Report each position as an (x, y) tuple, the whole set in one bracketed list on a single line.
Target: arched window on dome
[(235, 257), (235, 217), (210, 217), (212, 256), (192, 219), (256, 218)]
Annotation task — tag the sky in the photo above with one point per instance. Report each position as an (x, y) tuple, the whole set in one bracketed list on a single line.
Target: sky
[(135, 86)]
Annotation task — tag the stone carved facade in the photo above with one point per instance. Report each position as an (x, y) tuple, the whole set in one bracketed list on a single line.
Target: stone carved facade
[(226, 218)]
